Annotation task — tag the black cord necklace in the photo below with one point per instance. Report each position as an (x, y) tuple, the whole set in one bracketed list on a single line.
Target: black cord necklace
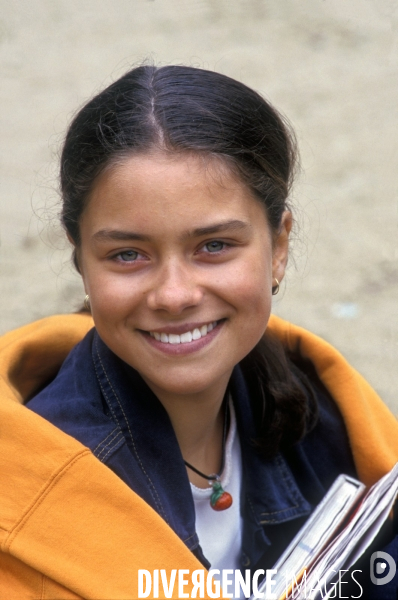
[(220, 499)]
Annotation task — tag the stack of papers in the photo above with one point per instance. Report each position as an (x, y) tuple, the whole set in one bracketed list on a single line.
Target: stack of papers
[(334, 537)]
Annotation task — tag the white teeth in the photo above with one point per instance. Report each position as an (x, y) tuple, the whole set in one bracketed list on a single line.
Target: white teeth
[(184, 338), (196, 335)]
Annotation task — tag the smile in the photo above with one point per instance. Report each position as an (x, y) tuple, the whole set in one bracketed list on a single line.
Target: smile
[(186, 337)]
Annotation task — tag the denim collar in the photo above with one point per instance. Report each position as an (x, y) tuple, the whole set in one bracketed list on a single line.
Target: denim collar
[(270, 493)]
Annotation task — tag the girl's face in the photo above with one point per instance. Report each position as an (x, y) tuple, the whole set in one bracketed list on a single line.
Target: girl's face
[(179, 261)]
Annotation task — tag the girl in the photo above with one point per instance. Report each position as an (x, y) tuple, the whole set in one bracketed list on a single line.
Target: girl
[(201, 432)]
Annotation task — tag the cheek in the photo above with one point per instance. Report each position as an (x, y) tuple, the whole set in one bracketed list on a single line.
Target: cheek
[(251, 279), (110, 296), (249, 290)]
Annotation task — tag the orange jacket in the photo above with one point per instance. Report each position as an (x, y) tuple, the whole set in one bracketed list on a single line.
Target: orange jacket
[(69, 527)]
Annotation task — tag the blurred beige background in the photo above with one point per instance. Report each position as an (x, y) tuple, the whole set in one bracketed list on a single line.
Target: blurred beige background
[(331, 66)]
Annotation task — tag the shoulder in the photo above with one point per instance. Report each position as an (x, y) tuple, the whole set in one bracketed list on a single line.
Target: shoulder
[(325, 452), (371, 428), (31, 355), (73, 402)]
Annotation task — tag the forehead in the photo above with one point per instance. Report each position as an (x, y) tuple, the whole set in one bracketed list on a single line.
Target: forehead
[(171, 191)]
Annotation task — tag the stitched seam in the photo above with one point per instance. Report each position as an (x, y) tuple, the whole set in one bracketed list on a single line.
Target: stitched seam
[(115, 417), (52, 482), (103, 449), (104, 440), (111, 444), (269, 521), (109, 451), (283, 471), (284, 510), (189, 538), (157, 502), (277, 512), (251, 507)]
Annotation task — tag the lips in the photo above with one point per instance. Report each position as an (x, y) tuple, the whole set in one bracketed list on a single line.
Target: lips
[(186, 337)]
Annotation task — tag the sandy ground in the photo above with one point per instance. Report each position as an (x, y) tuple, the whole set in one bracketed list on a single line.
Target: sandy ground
[(330, 65)]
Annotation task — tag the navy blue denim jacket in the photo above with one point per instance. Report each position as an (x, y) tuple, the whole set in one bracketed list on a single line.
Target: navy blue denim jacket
[(106, 405)]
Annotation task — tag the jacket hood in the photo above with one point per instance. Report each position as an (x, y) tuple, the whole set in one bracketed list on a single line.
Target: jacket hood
[(371, 427), (46, 474)]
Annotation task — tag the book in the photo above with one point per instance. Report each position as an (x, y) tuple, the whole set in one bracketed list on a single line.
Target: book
[(333, 538)]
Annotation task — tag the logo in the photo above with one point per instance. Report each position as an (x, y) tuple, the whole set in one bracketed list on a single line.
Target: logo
[(382, 568)]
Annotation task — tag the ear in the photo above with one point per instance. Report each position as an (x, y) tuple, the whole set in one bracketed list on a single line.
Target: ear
[(281, 246)]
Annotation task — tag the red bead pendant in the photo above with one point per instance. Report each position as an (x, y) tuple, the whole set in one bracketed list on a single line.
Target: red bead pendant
[(220, 500)]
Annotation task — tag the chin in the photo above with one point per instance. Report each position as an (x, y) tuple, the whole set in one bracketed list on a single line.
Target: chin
[(180, 387), (182, 384)]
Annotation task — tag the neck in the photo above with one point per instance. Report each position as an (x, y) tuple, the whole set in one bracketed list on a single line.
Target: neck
[(198, 422)]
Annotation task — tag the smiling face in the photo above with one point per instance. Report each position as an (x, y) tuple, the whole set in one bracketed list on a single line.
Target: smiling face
[(179, 261)]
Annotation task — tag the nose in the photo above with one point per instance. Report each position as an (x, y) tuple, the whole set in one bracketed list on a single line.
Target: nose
[(175, 289)]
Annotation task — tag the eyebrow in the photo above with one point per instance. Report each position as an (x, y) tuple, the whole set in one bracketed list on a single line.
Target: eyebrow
[(232, 225), (104, 235), (126, 236)]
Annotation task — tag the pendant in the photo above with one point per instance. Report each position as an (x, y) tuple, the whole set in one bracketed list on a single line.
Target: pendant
[(219, 500)]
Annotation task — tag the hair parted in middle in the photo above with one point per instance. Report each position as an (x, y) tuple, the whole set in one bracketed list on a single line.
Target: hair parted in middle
[(178, 109)]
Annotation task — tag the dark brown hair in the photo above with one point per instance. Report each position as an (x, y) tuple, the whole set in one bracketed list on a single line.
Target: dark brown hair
[(184, 109)]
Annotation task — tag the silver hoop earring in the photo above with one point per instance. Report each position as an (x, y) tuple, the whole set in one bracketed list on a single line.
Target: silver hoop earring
[(86, 302), (275, 288)]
